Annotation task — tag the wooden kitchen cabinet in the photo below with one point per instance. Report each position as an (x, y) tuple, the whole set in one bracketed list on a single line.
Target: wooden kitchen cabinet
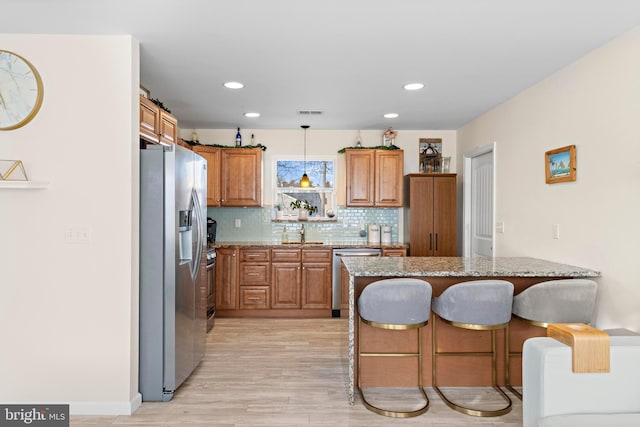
[(254, 278), (301, 278), (234, 175), (316, 278), (430, 214), (212, 156), (241, 177), (374, 178), (227, 278), (286, 273), (156, 125), (394, 252)]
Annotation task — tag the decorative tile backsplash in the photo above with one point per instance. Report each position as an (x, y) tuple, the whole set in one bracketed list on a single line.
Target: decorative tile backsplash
[(256, 224)]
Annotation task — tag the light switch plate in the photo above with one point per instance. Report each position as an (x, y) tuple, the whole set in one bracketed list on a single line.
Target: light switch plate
[(238, 223), (500, 227), (555, 231)]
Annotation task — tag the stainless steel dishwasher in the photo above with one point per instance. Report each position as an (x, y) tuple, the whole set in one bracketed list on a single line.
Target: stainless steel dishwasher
[(335, 270)]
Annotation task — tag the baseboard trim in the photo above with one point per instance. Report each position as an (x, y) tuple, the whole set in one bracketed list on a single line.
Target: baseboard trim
[(106, 408)]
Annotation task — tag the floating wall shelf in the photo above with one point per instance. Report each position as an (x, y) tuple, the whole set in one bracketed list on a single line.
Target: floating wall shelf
[(23, 185)]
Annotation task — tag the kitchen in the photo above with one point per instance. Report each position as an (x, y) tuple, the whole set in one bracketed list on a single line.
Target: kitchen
[(91, 308)]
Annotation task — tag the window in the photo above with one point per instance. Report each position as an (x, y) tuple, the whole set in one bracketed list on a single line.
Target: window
[(321, 194)]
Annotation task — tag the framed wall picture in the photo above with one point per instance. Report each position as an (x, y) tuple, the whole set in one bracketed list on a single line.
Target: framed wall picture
[(430, 154), (560, 164)]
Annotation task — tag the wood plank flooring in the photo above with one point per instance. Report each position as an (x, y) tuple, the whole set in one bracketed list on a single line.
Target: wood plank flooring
[(282, 372)]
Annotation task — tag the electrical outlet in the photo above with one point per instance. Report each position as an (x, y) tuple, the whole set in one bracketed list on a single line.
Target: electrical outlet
[(80, 235), (555, 231), (500, 227), (238, 223), (345, 222)]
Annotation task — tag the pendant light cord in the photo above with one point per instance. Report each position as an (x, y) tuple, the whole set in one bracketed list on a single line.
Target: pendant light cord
[(305, 127)]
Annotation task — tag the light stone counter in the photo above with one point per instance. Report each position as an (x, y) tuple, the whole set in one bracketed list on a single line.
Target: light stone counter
[(447, 267)]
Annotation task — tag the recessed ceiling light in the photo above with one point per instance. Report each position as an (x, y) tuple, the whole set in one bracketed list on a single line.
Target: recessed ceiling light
[(233, 85), (391, 115), (252, 115), (413, 86)]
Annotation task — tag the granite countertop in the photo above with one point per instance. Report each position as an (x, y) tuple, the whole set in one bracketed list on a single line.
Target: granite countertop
[(325, 244), (463, 267)]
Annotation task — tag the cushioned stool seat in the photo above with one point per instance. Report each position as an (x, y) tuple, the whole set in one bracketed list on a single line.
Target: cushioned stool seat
[(474, 305), (395, 304), (555, 301)]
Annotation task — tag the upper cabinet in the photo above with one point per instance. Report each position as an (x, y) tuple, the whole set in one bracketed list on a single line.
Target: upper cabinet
[(234, 176), (374, 178), (156, 125), (212, 156)]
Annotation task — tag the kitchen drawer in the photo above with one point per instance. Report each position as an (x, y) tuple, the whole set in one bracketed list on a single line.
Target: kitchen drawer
[(286, 255), (394, 252), (255, 273), (255, 254), (254, 297), (316, 255)]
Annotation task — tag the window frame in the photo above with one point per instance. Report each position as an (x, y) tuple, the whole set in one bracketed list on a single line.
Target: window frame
[(331, 191)]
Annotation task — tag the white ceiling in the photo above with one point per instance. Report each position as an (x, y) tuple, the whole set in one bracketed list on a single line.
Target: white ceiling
[(346, 58)]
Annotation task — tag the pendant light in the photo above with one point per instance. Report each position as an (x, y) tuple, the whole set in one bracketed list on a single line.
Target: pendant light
[(304, 181)]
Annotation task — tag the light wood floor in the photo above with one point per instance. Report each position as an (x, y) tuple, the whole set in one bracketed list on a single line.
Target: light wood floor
[(281, 372)]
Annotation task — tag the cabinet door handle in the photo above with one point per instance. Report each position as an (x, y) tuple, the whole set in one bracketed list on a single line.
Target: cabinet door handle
[(436, 241), (254, 298), (430, 241), (253, 274)]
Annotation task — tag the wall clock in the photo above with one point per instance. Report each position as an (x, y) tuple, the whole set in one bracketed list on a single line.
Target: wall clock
[(21, 91)]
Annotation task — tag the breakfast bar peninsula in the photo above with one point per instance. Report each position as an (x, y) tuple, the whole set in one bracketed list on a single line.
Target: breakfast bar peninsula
[(442, 272)]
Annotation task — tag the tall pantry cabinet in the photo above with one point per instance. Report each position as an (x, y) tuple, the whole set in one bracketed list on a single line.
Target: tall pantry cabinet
[(430, 214)]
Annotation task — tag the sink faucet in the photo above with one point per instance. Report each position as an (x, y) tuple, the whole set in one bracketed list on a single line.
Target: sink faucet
[(302, 233)]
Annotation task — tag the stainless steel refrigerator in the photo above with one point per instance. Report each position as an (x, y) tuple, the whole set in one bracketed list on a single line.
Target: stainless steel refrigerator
[(173, 288)]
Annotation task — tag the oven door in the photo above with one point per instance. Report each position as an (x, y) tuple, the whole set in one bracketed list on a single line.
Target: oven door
[(211, 290)]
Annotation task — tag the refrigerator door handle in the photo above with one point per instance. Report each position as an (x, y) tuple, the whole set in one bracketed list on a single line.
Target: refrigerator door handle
[(198, 231)]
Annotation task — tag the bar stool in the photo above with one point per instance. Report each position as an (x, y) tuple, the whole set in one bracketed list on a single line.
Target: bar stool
[(554, 301), (396, 304), (474, 305)]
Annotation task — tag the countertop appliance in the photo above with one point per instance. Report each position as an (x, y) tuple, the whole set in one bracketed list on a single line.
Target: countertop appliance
[(211, 288), (173, 194), (373, 233), (336, 282), (385, 234), (211, 230)]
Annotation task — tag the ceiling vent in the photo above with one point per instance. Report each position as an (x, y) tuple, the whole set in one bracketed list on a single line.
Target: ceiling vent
[(309, 113)]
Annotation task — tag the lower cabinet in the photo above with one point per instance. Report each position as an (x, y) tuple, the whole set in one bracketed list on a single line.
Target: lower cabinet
[(227, 278), (301, 278), (273, 282), (255, 278), (316, 278)]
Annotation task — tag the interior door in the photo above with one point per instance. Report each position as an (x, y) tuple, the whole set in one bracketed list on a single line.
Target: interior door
[(481, 215)]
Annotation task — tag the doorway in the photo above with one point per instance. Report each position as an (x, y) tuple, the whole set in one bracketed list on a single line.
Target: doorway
[(479, 201)]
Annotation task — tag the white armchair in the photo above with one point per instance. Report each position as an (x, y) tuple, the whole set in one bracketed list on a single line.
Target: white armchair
[(554, 396)]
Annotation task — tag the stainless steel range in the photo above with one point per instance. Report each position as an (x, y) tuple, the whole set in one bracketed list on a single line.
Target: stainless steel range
[(211, 288)]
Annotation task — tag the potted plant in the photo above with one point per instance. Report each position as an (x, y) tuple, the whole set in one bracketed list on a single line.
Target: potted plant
[(304, 209)]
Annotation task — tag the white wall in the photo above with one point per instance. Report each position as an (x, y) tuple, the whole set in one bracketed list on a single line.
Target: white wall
[(68, 312), (324, 142), (594, 104)]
